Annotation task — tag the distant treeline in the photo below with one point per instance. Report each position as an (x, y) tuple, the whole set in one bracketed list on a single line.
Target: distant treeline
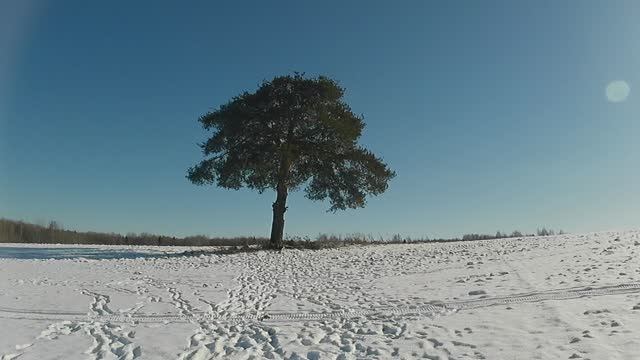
[(499, 235), (12, 231), (471, 237), (20, 232)]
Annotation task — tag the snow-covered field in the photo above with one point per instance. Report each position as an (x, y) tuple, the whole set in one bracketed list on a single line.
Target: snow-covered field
[(558, 297)]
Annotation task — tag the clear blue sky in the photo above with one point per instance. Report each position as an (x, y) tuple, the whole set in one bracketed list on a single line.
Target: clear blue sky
[(493, 114)]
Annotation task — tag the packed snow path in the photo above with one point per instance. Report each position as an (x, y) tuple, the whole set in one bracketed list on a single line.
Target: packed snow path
[(566, 296)]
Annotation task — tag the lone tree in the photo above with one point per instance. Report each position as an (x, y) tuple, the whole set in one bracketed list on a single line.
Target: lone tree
[(293, 131)]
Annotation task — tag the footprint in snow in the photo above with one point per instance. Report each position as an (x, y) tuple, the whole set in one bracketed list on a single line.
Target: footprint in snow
[(477, 292)]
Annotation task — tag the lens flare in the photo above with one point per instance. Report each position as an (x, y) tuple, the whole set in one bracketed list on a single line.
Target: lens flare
[(618, 91)]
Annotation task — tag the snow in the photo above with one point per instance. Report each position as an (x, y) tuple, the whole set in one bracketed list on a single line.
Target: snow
[(556, 297)]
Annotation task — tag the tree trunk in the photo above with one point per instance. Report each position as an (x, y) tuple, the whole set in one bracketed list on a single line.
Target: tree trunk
[(280, 206), (277, 226)]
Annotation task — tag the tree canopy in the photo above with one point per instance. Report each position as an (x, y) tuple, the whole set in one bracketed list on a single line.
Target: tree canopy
[(292, 132)]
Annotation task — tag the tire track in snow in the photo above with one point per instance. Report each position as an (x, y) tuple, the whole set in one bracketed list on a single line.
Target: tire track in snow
[(556, 294), (434, 309)]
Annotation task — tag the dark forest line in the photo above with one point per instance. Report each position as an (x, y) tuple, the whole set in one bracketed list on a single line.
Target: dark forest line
[(12, 231)]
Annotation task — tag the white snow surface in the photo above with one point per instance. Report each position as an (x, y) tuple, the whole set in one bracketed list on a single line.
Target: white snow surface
[(556, 297)]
